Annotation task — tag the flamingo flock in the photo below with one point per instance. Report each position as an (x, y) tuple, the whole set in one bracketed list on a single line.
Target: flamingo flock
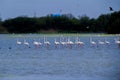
[(66, 42)]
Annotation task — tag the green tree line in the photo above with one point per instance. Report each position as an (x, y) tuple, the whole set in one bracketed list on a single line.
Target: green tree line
[(106, 23)]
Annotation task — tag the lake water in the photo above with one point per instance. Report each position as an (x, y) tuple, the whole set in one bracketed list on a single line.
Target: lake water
[(18, 62)]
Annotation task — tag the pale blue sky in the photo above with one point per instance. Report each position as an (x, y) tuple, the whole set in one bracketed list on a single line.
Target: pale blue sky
[(92, 8)]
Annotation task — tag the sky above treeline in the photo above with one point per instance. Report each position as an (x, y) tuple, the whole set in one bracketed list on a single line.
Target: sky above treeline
[(38, 8)]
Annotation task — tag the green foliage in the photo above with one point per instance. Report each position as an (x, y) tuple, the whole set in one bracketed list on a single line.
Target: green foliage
[(114, 23), (108, 23), (102, 22), (84, 23), (2, 29), (20, 25)]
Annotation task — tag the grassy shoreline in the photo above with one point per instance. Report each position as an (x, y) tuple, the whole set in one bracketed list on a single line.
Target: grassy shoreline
[(59, 34)]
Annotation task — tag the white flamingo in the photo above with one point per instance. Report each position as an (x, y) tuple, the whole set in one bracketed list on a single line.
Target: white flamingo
[(62, 42), (26, 43), (56, 43), (36, 44), (39, 43), (117, 41), (78, 42), (101, 42), (46, 42), (19, 42), (69, 43), (93, 43), (107, 42)]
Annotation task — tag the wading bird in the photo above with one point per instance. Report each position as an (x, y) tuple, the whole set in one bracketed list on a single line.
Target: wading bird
[(36, 44), (78, 42), (92, 43), (69, 43), (117, 41), (18, 42), (26, 43), (100, 42), (46, 42), (56, 43), (107, 42), (62, 42)]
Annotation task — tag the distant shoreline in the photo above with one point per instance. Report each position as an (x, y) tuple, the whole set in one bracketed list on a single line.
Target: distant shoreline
[(59, 34)]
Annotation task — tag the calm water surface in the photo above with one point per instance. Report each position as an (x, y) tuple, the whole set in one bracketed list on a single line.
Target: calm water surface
[(17, 62)]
